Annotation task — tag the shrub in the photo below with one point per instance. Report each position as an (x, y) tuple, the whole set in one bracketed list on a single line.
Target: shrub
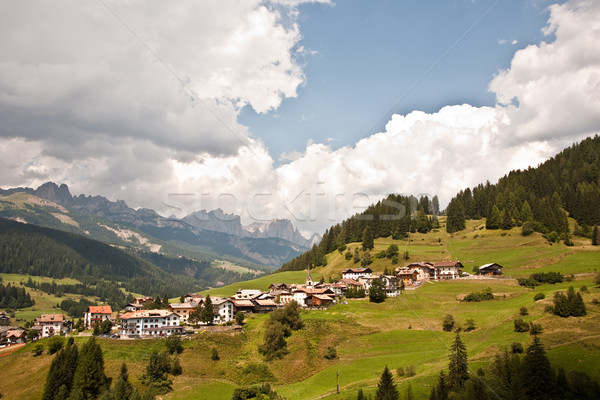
[(410, 370), (595, 301), (331, 353), (470, 325), (571, 305), (381, 254), (214, 354), (516, 348), (239, 318), (174, 345), (448, 323), (539, 296), (548, 277), (348, 256), (55, 343), (480, 296), (535, 329), (395, 259), (37, 349), (523, 311), (584, 289), (527, 228), (400, 371), (549, 309), (528, 282), (521, 326)]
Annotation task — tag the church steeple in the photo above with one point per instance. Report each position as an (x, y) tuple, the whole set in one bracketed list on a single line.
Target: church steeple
[(309, 281)]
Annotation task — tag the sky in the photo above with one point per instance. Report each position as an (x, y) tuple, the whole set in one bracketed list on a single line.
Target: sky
[(307, 110)]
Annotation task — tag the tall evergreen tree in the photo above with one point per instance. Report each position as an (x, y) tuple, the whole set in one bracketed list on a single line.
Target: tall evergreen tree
[(360, 395), (458, 372), (494, 221), (377, 291), (367, 239), (386, 388), (208, 315), (89, 379), (441, 388), (122, 389), (409, 391), (456, 220), (526, 213), (538, 378), (595, 236), (62, 371)]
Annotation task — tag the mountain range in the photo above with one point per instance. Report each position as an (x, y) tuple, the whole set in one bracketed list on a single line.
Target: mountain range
[(200, 235)]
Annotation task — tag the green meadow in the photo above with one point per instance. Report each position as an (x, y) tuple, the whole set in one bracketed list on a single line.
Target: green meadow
[(401, 332)]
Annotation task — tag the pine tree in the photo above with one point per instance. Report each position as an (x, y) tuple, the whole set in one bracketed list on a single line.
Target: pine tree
[(377, 291), (89, 377), (208, 315), (526, 213), (538, 379), (409, 391), (386, 388), (442, 387), (493, 221), (367, 239), (122, 388), (360, 395), (456, 220), (595, 236), (62, 370), (458, 369)]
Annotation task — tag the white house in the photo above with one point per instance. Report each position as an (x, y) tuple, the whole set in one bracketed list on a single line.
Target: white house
[(183, 310), (96, 315), (223, 309), (356, 273), (447, 269), (150, 323), (53, 324)]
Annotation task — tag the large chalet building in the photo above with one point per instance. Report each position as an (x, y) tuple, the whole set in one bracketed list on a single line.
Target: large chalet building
[(149, 323), (53, 324), (96, 315)]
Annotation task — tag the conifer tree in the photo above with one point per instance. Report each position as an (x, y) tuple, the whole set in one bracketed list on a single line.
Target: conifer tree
[(208, 315), (538, 379), (493, 221), (360, 395), (89, 379), (386, 388), (60, 376), (458, 369), (441, 389), (367, 239), (409, 391), (595, 236), (526, 213), (122, 388), (456, 220)]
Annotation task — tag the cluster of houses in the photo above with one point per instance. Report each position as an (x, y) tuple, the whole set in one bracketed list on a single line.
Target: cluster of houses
[(137, 321)]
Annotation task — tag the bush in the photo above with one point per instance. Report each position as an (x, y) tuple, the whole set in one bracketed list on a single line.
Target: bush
[(470, 325), (410, 370), (595, 301), (331, 353), (535, 329), (348, 256), (381, 254), (584, 289), (523, 311), (521, 326), (528, 282), (239, 318), (55, 343), (527, 228), (480, 296), (448, 323), (395, 259), (37, 349), (400, 371), (214, 354), (539, 296), (174, 345), (548, 277), (516, 348)]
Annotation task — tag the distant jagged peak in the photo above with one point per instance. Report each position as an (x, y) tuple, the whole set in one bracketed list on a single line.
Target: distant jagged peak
[(51, 191)]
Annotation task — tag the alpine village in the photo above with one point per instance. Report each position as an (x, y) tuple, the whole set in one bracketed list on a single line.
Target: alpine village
[(406, 200)]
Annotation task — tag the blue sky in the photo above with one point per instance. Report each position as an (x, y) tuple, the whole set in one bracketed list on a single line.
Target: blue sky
[(370, 53), (299, 109)]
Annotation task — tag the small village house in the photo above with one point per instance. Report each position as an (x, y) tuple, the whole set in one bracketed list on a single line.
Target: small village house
[(355, 273), (490, 269), (53, 324), (224, 309), (447, 270), (318, 300), (96, 315), (183, 310), (408, 275)]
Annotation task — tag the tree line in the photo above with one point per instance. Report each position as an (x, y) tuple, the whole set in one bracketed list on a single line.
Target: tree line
[(538, 198), (14, 297), (37, 251), (394, 216)]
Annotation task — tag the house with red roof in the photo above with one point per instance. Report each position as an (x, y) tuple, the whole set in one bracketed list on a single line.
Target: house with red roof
[(96, 315)]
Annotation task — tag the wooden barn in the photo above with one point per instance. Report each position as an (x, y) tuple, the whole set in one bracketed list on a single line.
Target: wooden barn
[(490, 269)]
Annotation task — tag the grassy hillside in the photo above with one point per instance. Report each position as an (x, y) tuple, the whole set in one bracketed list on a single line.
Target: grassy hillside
[(400, 332)]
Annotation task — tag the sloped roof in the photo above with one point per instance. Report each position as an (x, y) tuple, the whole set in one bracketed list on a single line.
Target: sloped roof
[(147, 314), (489, 265), (51, 318), (243, 303), (100, 309)]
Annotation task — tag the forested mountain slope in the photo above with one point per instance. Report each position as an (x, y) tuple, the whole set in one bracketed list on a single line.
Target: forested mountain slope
[(567, 182)]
